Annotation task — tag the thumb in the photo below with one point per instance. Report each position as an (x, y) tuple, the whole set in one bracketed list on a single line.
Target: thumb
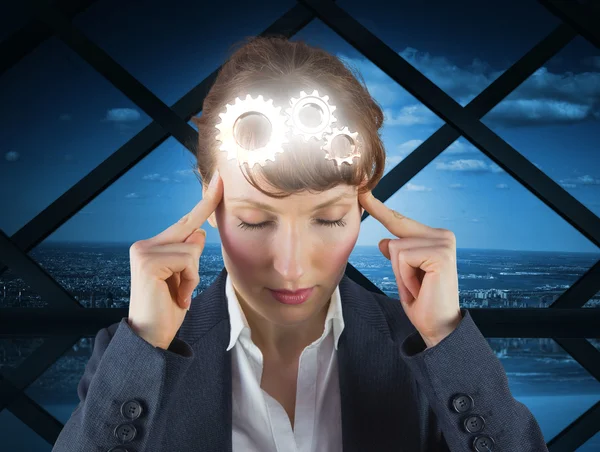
[(198, 236), (384, 247)]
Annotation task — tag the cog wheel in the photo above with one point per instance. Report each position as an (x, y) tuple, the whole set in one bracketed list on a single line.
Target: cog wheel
[(353, 136), (228, 140), (321, 102)]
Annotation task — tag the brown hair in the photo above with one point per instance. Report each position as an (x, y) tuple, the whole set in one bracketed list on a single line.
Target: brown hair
[(279, 69)]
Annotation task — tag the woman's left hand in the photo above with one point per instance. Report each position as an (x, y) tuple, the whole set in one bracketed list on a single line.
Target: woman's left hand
[(424, 263)]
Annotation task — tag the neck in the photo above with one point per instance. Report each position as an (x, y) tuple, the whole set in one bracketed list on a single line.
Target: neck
[(284, 343)]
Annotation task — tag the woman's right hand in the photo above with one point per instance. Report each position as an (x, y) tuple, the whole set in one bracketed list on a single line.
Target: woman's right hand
[(164, 272)]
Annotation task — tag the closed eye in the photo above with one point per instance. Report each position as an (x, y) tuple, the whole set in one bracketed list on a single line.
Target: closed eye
[(328, 223)]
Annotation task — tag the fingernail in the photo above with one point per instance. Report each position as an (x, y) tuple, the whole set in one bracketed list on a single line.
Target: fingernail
[(213, 181), (203, 232)]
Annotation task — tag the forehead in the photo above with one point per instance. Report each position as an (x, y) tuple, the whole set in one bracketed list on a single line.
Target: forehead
[(236, 186)]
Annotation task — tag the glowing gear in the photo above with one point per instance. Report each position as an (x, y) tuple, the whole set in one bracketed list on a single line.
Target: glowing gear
[(304, 130), (280, 124), (228, 123), (345, 132)]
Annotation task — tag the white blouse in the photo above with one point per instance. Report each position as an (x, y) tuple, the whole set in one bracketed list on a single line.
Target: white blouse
[(260, 423)]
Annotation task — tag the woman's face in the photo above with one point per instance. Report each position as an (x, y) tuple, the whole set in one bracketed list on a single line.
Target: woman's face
[(290, 249)]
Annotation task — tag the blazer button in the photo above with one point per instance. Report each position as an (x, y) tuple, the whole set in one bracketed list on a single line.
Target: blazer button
[(474, 424), (125, 432), (131, 409), (462, 403), (483, 443), (117, 449)]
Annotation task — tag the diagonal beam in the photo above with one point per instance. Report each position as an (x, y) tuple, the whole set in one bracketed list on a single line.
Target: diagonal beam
[(37, 278), (24, 41), (460, 119), (580, 291), (127, 156), (578, 432), (583, 17), (116, 74), (32, 414), (478, 134)]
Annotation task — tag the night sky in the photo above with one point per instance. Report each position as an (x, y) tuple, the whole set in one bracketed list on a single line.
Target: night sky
[(60, 118)]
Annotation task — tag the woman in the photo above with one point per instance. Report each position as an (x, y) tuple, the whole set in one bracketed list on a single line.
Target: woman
[(249, 368)]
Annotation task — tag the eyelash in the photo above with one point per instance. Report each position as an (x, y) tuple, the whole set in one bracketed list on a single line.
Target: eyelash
[(263, 225)]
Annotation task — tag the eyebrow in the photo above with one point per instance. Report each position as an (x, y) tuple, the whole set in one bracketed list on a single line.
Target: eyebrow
[(267, 207)]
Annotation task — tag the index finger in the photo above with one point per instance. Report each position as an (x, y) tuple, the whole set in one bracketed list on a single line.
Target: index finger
[(181, 230), (397, 224)]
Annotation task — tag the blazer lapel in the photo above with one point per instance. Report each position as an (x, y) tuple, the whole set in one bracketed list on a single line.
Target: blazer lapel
[(206, 328), (371, 374), (374, 381)]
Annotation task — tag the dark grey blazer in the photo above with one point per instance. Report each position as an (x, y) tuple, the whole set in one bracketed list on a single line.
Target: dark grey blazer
[(396, 395)]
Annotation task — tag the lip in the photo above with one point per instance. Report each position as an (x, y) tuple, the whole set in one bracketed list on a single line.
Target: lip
[(291, 292), (292, 297)]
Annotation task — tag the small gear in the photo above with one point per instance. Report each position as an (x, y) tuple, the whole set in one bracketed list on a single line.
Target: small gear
[(353, 136), (321, 103), (236, 150)]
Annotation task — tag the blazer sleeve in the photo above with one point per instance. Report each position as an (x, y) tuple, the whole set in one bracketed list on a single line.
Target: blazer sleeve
[(123, 391), (468, 390)]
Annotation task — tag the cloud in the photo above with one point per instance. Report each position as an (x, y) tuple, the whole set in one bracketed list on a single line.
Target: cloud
[(156, 177), (393, 160), (470, 165), (459, 147), (567, 185), (409, 115), (588, 180), (550, 98), (132, 195), (12, 156), (403, 149), (580, 180), (414, 187), (122, 115), (544, 98), (502, 186), (185, 172), (525, 112), (407, 147), (456, 186)]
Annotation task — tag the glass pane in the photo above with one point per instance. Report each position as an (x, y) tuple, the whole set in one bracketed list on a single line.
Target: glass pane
[(462, 47), (592, 445), (16, 293), (593, 302), (407, 121), (507, 252), (553, 119), (56, 389), (545, 378), (13, 351), (172, 46), (60, 119), (89, 255), (17, 436)]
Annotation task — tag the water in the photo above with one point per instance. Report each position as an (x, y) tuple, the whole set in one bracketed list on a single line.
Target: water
[(554, 387)]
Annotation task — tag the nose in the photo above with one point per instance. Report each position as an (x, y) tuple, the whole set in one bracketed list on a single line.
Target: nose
[(291, 254)]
